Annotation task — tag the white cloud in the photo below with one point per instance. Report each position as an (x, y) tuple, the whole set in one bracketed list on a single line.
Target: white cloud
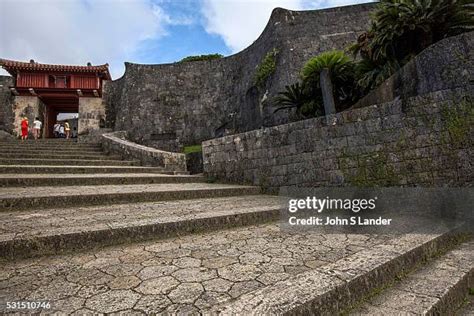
[(78, 31), (240, 22)]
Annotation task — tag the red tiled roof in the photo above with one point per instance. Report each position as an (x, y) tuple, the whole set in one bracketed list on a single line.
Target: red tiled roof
[(13, 66)]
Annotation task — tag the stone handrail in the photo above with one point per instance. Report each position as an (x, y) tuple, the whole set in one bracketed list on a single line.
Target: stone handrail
[(117, 143)]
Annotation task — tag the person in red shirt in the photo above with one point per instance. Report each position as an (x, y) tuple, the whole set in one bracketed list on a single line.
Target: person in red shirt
[(24, 128)]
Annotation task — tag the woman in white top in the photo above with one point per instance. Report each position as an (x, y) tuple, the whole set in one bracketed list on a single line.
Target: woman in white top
[(37, 128)]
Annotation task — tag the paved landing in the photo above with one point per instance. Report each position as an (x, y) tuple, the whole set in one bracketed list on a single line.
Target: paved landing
[(185, 274)]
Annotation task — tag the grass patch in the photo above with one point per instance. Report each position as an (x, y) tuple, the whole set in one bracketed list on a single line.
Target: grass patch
[(192, 149)]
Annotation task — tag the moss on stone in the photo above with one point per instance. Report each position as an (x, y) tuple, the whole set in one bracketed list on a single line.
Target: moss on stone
[(374, 170), (266, 68), (459, 121)]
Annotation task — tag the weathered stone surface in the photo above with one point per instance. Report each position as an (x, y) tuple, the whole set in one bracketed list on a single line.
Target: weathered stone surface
[(162, 285), (91, 113), (437, 288), (22, 198), (156, 271), (6, 107), (183, 273), (125, 282), (151, 304), (194, 274), (217, 285), (186, 293), (117, 143), (112, 301)]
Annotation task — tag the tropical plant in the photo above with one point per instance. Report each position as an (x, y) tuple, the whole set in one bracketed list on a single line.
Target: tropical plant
[(370, 74), (403, 28), (341, 72), (400, 29), (297, 96)]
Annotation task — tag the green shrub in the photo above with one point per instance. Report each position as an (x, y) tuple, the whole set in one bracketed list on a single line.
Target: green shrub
[(201, 57), (266, 68)]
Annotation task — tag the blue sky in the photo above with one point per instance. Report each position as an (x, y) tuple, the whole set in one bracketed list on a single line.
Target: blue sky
[(140, 31)]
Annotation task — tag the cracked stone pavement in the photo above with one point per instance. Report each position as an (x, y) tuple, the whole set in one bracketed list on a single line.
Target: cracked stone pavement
[(183, 274)]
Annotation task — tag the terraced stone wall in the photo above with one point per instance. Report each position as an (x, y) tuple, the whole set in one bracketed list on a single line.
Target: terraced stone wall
[(168, 106), (425, 140)]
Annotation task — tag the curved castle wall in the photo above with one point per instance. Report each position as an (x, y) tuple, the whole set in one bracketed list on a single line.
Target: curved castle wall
[(171, 105)]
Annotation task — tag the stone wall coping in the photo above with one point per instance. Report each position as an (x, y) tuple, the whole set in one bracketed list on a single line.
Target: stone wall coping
[(275, 19), (116, 142), (115, 137)]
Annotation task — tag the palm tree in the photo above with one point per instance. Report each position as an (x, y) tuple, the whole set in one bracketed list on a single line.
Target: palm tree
[(297, 96), (403, 28), (370, 74), (340, 77)]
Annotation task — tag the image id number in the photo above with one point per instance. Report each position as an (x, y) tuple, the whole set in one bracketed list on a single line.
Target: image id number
[(28, 305)]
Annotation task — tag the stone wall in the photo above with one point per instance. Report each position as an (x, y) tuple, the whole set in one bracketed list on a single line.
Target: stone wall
[(448, 64), (29, 106), (168, 106), (91, 114), (426, 141), (117, 143), (423, 135), (6, 104)]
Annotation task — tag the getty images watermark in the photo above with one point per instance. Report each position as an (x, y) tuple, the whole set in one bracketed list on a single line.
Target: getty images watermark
[(331, 204), (376, 210)]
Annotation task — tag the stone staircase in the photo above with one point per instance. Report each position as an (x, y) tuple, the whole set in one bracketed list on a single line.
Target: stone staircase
[(91, 233)]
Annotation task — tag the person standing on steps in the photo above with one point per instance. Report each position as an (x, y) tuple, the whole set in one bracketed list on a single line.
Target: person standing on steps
[(61, 131), (56, 129), (24, 128), (67, 129), (37, 128)]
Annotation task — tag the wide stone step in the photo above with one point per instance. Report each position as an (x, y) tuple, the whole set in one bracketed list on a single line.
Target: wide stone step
[(78, 169), (70, 162), (60, 155), (48, 147), (181, 275), (438, 288), (41, 232), (13, 199), (331, 289), (77, 151), (16, 180)]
